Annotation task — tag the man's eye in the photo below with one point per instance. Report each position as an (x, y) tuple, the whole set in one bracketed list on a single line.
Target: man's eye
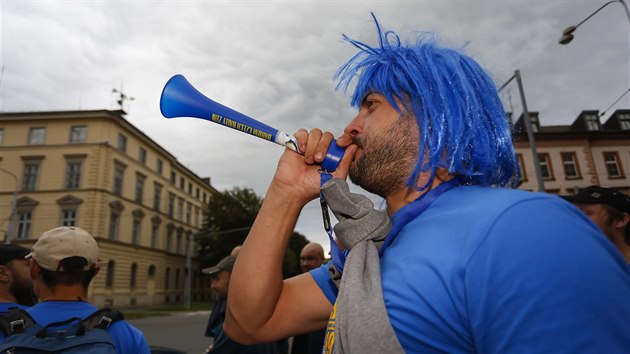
[(369, 104)]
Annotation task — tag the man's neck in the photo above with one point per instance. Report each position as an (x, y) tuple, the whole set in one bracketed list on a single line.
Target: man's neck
[(64, 293), (400, 198), (6, 296)]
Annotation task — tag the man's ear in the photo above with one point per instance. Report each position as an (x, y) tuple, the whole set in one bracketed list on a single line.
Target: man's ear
[(5, 274), (35, 269), (623, 222)]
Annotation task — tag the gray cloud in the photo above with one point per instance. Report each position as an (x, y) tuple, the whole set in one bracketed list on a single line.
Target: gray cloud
[(274, 61)]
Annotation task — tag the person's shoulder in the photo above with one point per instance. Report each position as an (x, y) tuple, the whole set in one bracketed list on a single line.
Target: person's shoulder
[(494, 201), (5, 306), (127, 338)]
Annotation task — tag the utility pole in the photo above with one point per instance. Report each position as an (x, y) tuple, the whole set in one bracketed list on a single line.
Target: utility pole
[(528, 128)]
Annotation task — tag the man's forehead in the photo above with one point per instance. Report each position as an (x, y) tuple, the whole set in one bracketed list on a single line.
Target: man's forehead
[(590, 206)]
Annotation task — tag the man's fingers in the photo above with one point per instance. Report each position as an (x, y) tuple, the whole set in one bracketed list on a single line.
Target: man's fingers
[(322, 147), (302, 137), (314, 137), (346, 161), (344, 140)]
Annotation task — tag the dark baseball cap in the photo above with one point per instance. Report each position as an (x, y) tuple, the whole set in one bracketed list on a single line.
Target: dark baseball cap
[(11, 252), (601, 195), (225, 264)]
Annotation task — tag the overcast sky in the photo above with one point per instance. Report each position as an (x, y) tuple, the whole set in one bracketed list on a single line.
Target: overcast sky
[(274, 61)]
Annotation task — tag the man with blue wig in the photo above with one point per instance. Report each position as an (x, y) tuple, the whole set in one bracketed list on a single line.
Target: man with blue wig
[(458, 262)]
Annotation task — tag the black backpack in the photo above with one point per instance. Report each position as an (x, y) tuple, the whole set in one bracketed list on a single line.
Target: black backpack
[(74, 335)]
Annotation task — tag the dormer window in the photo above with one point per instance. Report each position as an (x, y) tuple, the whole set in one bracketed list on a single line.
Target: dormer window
[(624, 121), (592, 123), (533, 120)]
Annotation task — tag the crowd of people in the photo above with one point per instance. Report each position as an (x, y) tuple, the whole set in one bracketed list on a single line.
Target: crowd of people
[(458, 262)]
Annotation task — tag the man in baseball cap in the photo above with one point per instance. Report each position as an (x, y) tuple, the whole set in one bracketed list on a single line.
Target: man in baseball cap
[(219, 283), (56, 246), (609, 209), (16, 288), (63, 262)]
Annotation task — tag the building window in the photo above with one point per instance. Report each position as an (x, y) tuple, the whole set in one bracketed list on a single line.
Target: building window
[(624, 123), (159, 166), (169, 236), (167, 277), (521, 167), (196, 216), (69, 217), (204, 197), (142, 156), (29, 179), (114, 221), (78, 134), (138, 214), (151, 272), (157, 195), (182, 183), (545, 166), (36, 136), (190, 188), (155, 228), (1, 136), (135, 232), (178, 245), (122, 143), (533, 120), (188, 212), (116, 209), (613, 166), (132, 276), (73, 174), (24, 224), (176, 283), (139, 188), (119, 174), (180, 209), (171, 205), (592, 123), (109, 278), (570, 164), (173, 177)]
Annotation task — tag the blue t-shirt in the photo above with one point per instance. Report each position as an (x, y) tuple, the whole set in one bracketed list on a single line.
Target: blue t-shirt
[(5, 306), (126, 338), (493, 270)]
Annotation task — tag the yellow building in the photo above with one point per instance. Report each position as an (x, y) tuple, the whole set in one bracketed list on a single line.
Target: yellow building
[(575, 156), (95, 170)]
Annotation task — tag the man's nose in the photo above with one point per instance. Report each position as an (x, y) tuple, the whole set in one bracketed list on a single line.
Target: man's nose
[(355, 127)]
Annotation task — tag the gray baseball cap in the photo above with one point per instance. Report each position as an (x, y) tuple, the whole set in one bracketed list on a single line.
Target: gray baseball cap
[(225, 264)]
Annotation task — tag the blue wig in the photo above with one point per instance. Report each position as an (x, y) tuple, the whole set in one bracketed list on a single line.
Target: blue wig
[(463, 127)]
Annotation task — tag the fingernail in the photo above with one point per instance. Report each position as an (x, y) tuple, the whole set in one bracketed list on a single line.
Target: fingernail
[(319, 156)]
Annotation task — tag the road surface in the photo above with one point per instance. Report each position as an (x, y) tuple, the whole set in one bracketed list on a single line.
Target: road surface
[(183, 331)]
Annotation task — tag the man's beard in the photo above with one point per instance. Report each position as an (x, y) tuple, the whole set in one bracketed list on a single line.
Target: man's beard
[(22, 292), (387, 158)]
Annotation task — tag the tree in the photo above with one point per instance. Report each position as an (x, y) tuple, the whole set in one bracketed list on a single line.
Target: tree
[(229, 217)]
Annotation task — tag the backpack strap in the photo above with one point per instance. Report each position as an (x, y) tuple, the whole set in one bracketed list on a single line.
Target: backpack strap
[(102, 319), (15, 321)]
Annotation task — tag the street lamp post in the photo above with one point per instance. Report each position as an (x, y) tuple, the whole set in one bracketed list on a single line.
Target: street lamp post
[(10, 231), (528, 127), (187, 285), (567, 34)]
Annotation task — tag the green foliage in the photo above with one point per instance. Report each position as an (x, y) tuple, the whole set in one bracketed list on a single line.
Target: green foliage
[(229, 217)]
